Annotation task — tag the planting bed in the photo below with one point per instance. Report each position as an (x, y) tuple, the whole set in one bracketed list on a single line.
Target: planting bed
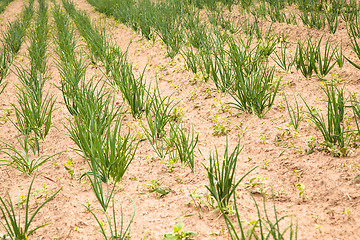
[(312, 184)]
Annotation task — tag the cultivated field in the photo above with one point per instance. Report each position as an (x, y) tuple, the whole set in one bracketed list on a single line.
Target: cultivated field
[(174, 119)]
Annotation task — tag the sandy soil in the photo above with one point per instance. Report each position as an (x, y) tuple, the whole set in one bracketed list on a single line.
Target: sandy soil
[(328, 208)]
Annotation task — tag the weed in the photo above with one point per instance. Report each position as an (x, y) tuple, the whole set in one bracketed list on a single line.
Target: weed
[(218, 128), (41, 193), (197, 200), (69, 169), (263, 138), (312, 144), (178, 234), (256, 185), (301, 188), (154, 186), (170, 164)]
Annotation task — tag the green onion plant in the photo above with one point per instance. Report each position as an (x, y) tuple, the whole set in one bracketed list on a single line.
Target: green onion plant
[(71, 68), (116, 232), (309, 58), (197, 31), (259, 11), (23, 160), (4, 4), (284, 59), (16, 226), (158, 116), (38, 40), (168, 26), (340, 58), (324, 62), (334, 131), (132, 88), (103, 195), (158, 112), (305, 58), (95, 106), (251, 28), (295, 114), (332, 20), (264, 228), (95, 38), (354, 25), (205, 63), (5, 63), (34, 112), (222, 183), (108, 154), (191, 59), (255, 92), (14, 36), (313, 19), (184, 144), (145, 18), (355, 45)]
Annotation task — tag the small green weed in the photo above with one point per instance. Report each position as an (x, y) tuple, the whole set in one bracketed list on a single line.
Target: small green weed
[(178, 234)]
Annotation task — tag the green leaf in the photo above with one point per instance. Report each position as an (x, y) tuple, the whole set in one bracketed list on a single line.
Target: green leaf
[(162, 191), (170, 236), (178, 227)]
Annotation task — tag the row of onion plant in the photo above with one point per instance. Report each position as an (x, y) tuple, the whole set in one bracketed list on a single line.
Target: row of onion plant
[(33, 120), (96, 127)]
